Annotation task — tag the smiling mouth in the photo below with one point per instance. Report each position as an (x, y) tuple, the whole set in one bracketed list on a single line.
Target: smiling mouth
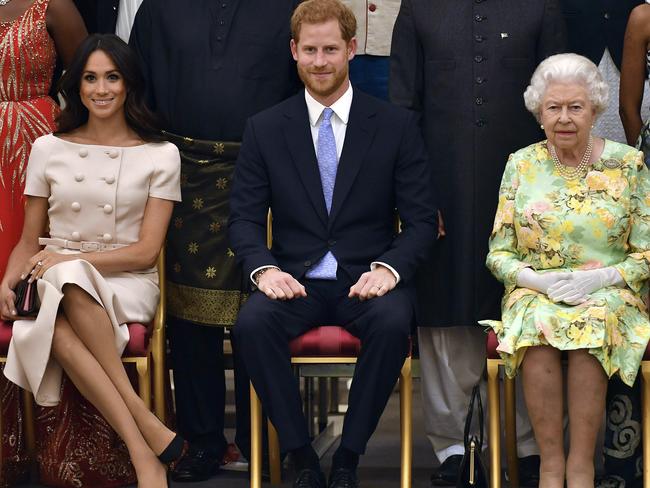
[(102, 102)]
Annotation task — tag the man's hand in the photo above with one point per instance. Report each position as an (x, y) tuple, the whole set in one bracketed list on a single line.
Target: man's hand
[(375, 283), (441, 226), (278, 285)]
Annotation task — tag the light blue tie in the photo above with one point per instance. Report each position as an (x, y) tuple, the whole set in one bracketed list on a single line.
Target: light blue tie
[(328, 162)]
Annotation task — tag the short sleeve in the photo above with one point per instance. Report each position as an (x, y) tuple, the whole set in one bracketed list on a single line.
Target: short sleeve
[(36, 184), (166, 178)]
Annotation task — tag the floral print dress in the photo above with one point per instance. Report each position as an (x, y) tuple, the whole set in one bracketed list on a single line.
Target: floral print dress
[(549, 223)]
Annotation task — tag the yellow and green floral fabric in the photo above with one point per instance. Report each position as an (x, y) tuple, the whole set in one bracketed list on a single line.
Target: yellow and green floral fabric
[(549, 223)]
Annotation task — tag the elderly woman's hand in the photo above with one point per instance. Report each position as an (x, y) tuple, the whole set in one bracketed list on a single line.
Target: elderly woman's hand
[(528, 278), (40, 262), (580, 284)]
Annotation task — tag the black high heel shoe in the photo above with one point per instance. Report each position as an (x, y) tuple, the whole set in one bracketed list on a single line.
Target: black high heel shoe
[(174, 452)]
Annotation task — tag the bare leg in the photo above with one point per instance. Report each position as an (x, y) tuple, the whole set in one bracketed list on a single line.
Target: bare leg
[(587, 388), (93, 383), (542, 382), (92, 325)]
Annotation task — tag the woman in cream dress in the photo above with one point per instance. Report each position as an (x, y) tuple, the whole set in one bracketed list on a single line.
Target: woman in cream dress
[(107, 188)]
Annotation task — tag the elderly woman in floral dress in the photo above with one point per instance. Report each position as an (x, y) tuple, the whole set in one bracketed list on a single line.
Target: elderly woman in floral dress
[(571, 244)]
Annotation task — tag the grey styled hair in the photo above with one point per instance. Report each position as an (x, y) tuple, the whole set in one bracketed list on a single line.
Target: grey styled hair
[(566, 68)]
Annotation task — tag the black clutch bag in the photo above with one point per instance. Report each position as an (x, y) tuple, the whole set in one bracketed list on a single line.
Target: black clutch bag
[(27, 302), (472, 471)]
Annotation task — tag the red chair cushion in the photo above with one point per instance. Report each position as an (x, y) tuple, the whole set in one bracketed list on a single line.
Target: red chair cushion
[(5, 337), (491, 344), (325, 341), (139, 335)]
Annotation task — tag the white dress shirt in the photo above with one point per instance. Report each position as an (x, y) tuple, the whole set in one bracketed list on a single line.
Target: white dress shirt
[(339, 121)]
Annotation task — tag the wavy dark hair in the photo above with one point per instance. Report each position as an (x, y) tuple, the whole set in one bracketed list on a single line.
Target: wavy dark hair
[(138, 116)]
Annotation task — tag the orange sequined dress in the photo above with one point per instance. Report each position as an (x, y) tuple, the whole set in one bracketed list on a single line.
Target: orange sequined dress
[(27, 57)]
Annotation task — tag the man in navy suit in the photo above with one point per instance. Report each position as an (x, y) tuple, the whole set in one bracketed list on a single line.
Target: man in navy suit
[(334, 165)]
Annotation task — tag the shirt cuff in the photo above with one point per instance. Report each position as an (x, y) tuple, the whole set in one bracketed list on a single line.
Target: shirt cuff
[(259, 269), (374, 265)]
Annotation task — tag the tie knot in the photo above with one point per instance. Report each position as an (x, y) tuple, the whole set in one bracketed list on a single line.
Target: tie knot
[(327, 114)]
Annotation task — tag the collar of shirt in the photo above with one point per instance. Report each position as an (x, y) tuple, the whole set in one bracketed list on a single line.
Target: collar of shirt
[(341, 107)]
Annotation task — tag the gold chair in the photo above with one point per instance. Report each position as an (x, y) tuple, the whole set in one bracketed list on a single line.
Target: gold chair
[(494, 418), (151, 360), (406, 398)]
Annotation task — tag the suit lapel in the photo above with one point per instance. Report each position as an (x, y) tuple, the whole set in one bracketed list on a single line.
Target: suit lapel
[(297, 133), (362, 125)]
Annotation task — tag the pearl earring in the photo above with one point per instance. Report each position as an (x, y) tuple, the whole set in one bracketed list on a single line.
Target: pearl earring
[(541, 126)]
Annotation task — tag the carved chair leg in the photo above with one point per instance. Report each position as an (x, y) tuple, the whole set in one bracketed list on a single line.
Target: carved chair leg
[(256, 440), (511, 432), (406, 422), (494, 416), (275, 462)]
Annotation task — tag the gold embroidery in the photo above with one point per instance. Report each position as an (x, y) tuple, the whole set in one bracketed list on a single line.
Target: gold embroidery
[(178, 222), (222, 183), (215, 227), (209, 307), (177, 267), (197, 203), (230, 253), (218, 148), (211, 272), (193, 248)]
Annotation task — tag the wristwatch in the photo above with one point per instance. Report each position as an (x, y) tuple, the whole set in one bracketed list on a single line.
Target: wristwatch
[(258, 275)]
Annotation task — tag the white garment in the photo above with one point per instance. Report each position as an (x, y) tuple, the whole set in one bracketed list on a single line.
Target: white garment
[(452, 360), (125, 17), (97, 194), (375, 22), (609, 123)]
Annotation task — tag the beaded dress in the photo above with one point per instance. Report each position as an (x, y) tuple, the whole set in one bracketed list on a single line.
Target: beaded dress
[(27, 58)]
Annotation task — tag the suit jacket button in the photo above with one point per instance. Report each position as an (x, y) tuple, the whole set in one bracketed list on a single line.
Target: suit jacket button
[(307, 264)]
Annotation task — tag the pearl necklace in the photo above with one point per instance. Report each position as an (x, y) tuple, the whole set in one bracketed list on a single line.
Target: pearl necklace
[(4, 2), (567, 172)]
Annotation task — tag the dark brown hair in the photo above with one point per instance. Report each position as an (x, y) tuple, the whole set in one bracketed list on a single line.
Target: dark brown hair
[(138, 116), (319, 11)]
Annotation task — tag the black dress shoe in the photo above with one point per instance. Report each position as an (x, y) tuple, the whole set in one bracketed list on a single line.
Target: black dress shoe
[(529, 471), (309, 478), (196, 465), (343, 478), (447, 473)]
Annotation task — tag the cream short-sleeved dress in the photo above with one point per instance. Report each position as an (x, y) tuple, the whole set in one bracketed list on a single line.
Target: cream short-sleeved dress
[(97, 194)]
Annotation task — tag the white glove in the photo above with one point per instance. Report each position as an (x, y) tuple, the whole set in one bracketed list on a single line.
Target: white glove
[(528, 278), (580, 284)]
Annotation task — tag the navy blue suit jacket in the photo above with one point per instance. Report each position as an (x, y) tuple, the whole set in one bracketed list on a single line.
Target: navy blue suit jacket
[(383, 168)]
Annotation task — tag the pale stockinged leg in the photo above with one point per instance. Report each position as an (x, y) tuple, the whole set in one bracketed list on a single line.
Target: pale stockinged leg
[(587, 388), (542, 382), (92, 325), (95, 385)]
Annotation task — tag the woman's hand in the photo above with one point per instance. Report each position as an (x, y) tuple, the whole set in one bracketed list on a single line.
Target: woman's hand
[(7, 302), (528, 278), (40, 262)]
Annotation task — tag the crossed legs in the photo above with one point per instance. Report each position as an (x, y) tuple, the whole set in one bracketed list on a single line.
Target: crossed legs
[(81, 335), (543, 390)]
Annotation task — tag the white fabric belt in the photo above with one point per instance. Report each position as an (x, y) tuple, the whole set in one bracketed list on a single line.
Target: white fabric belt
[(83, 246)]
